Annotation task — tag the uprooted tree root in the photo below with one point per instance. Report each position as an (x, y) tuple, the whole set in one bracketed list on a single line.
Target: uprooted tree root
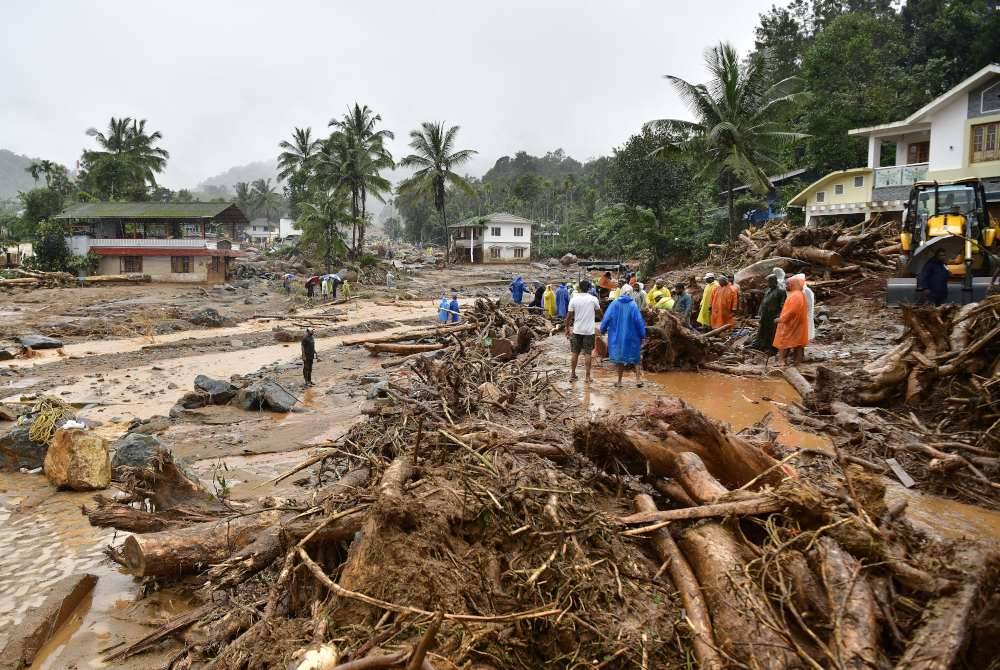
[(464, 530)]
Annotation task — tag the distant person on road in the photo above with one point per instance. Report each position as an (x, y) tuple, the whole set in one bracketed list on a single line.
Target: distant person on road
[(682, 303), (443, 307), (517, 290), (933, 279), (792, 333), (770, 310), (311, 284), (580, 328), (308, 354), (626, 330), (453, 308), (286, 283), (705, 310), (723, 304), (549, 300), (562, 301)]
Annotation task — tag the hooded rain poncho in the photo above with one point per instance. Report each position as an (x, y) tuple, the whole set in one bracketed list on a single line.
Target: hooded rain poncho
[(625, 329), (549, 300), (443, 310), (792, 330), (562, 301), (704, 316), (517, 289), (770, 309)]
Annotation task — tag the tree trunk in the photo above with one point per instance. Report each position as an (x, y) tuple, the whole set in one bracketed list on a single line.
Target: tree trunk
[(855, 640), (402, 348), (732, 207), (444, 226), (362, 223), (687, 586), (177, 552)]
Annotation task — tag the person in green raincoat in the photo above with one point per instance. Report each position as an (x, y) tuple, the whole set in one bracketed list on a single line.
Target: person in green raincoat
[(770, 310)]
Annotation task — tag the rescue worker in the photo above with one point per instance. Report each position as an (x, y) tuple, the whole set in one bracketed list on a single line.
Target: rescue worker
[(792, 332), (549, 300), (626, 330), (705, 310), (723, 304)]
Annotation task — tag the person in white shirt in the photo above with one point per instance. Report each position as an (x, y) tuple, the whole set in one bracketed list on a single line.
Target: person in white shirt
[(580, 328)]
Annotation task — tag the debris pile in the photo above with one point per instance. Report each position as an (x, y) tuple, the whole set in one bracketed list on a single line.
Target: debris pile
[(21, 278), (471, 523), (671, 345)]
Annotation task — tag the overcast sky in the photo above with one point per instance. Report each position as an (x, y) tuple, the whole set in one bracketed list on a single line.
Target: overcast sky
[(226, 81)]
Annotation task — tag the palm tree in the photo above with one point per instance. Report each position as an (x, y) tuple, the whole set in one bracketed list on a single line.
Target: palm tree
[(44, 167), (299, 154), (360, 156), (266, 200), (322, 217), (733, 134), (129, 157), (244, 199), (434, 158)]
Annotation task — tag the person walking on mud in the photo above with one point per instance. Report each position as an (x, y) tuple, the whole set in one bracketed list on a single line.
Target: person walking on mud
[(308, 355), (626, 330)]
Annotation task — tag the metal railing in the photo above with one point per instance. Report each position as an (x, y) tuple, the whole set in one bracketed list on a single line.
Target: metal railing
[(900, 175), (153, 243)]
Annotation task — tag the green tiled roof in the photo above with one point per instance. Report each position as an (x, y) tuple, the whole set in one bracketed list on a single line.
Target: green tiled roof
[(155, 210)]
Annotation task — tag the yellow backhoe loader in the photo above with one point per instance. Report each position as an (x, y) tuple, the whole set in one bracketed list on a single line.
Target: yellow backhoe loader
[(952, 216)]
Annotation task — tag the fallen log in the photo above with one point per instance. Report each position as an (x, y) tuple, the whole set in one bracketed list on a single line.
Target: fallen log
[(942, 635), (763, 268), (177, 552), (798, 382), (687, 586), (402, 348), (693, 476), (851, 602), (108, 279), (440, 331), (824, 257), (748, 507)]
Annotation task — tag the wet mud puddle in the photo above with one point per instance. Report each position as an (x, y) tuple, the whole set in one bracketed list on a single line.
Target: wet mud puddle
[(738, 401)]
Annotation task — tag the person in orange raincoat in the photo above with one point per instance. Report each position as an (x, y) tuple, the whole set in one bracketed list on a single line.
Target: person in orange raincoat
[(723, 306), (793, 324)]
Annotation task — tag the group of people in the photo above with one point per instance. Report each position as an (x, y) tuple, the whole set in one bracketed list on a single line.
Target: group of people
[(328, 284), (786, 317), (448, 310), (622, 322)]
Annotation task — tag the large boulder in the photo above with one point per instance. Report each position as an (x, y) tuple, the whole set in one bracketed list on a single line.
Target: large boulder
[(194, 400), (78, 460), (208, 317), (219, 392), (134, 450), (39, 342), (6, 355), (18, 451), (265, 394)]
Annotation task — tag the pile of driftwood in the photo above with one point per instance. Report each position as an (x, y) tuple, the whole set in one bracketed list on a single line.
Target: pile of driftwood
[(18, 277), (475, 522), (507, 329), (672, 345)]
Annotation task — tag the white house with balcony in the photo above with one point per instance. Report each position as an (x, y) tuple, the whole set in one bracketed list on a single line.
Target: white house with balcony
[(955, 136), (497, 238), (171, 242), (263, 233)]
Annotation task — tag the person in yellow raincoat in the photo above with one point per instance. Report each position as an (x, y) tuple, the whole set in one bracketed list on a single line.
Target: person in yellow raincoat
[(549, 300), (704, 312), (654, 294)]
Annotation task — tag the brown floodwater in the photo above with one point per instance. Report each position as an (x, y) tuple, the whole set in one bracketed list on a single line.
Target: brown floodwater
[(944, 518), (737, 401)]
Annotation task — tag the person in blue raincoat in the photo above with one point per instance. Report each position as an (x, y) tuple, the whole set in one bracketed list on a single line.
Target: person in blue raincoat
[(443, 307), (453, 308), (562, 301), (626, 330), (517, 290)]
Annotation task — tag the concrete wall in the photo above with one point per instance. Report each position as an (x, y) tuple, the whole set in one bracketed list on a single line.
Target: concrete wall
[(158, 268), (506, 233), (851, 194), (506, 253), (948, 136)]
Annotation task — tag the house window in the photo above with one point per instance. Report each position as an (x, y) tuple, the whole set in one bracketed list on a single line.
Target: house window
[(180, 264), (838, 189), (494, 252), (821, 196), (495, 231), (519, 252), (984, 142), (131, 263), (519, 232), (918, 152), (859, 181)]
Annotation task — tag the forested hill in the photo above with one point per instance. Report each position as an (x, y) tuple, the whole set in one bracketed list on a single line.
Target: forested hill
[(13, 178), (223, 183)]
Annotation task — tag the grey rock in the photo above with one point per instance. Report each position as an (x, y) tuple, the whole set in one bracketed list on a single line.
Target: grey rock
[(208, 317), (39, 342), (265, 395), (378, 390), (219, 392), (6, 355), (193, 400), (134, 449), (18, 451)]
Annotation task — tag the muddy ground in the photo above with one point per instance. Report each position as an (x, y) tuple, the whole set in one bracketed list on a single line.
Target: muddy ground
[(132, 351)]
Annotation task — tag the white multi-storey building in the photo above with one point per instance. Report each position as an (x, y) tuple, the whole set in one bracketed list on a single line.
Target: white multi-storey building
[(496, 238)]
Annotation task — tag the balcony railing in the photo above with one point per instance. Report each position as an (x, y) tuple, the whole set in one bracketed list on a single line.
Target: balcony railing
[(154, 243), (900, 175)]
